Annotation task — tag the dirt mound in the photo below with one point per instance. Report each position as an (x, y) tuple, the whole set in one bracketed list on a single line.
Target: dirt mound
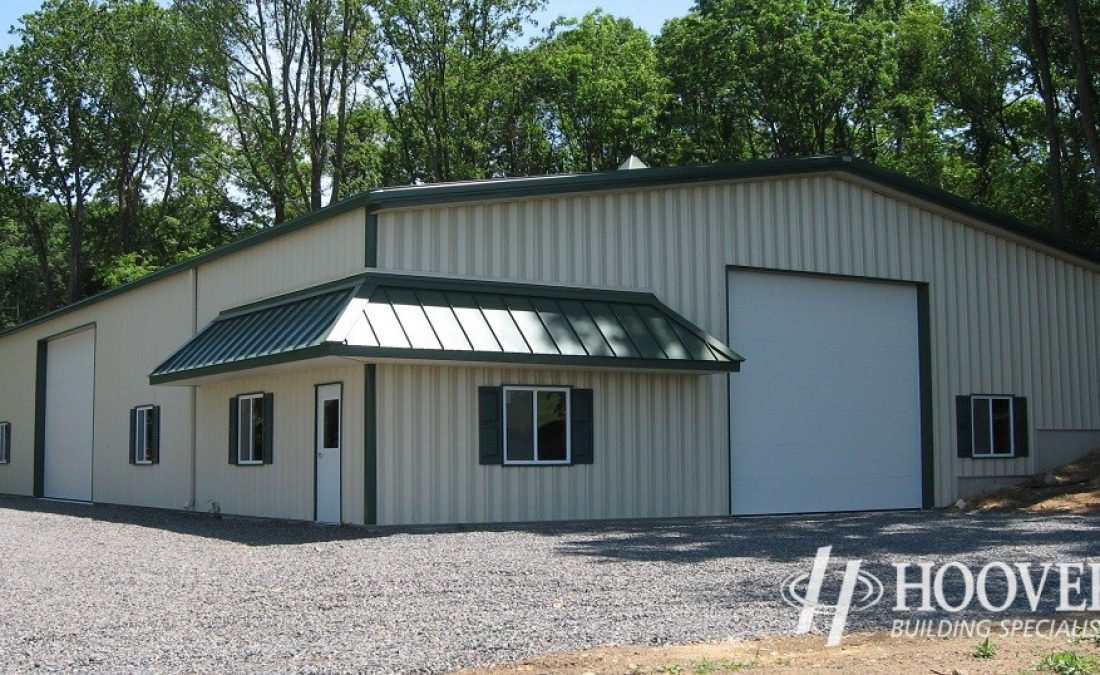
[(1073, 488)]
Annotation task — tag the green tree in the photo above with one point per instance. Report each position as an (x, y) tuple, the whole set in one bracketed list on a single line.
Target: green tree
[(55, 123), (440, 55), (599, 91), (789, 78), (103, 137), (286, 73)]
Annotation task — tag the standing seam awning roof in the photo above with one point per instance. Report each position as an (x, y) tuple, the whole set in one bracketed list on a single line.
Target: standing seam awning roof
[(387, 316)]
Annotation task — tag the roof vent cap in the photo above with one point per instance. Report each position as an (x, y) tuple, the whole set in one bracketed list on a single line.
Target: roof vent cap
[(632, 162)]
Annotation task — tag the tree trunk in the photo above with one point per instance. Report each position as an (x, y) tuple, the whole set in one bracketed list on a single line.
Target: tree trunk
[(1046, 91), (39, 242), (339, 147), (1085, 94), (75, 286), (278, 204)]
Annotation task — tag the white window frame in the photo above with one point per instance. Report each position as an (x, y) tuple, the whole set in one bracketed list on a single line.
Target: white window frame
[(988, 453), (242, 424), (534, 419), (141, 434), (5, 451)]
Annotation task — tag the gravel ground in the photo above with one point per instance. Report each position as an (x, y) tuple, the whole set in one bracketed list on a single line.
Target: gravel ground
[(113, 589)]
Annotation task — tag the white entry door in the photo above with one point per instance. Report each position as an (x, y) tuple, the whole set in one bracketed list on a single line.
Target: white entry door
[(825, 414), (70, 393), (329, 441)]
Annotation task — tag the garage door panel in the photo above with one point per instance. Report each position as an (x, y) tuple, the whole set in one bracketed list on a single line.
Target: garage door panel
[(827, 403), (814, 460), (774, 428), (835, 329), (825, 360), (70, 390), (816, 393), (810, 496)]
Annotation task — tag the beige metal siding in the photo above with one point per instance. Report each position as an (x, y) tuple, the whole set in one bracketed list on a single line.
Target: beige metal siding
[(321, 252), (17, 376), (137, 330), (650, 429), (285, 488), (1005, 317), (133, 333)]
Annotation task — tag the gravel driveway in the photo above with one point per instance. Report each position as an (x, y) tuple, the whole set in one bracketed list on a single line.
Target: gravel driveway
[(113, 589)]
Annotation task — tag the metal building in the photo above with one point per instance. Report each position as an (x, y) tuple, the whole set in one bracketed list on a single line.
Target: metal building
[(762, 337)]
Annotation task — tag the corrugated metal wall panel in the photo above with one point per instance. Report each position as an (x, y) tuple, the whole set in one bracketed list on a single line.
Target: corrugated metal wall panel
[(18, 354), (284, 488), (133, 333), (138, 330), (1005, 317), (327, 250), (649, 429)]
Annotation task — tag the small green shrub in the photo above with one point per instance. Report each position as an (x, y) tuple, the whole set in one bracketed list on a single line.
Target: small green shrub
[(1069, 663), (985, 650), (709, 667)]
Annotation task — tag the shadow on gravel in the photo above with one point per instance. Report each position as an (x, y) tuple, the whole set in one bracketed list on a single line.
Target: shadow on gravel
[(930, 534), (246, 531)]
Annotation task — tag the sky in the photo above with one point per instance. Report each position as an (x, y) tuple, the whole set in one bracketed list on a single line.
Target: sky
[(647, 14)]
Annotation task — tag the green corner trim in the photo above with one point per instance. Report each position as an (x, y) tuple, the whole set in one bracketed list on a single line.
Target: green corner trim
[(370, 445), (924, 337), (372, 239), (40, 419)]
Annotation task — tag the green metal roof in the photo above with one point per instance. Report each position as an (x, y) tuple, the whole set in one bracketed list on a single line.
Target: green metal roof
[(387, 316), (264, 331), (512, 188)]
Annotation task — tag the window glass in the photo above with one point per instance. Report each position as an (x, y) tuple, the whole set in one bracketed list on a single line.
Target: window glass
[(257, 430), (141, 439), (332, 423), (1002, 426), (244, 429), (981, 426), (149, 440), (519, 422), (552, 428)]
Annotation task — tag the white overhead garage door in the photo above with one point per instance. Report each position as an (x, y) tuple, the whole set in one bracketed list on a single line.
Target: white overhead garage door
[(825, 413), (70, 387)]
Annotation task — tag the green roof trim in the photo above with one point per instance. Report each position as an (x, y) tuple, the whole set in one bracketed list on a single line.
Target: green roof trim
[(394, 316), (513, 188)]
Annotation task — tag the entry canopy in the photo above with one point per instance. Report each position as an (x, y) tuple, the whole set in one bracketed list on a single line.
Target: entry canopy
[(378, 316)]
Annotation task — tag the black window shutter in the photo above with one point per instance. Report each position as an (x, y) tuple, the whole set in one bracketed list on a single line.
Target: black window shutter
[(964, 420), (490, 415), (1022, 431), (583, 432), (269, 427), (7, 443), (154, 419), (234, 411), (133, 435)]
